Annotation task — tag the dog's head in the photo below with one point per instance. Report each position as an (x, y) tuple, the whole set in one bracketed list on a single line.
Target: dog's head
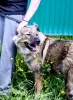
[(28, 38)]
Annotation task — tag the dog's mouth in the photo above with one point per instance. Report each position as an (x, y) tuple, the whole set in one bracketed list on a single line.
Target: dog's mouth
[(31, 47)]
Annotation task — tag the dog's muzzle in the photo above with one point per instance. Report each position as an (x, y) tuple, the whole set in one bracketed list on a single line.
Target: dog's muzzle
[(33, 45), (36, 41)]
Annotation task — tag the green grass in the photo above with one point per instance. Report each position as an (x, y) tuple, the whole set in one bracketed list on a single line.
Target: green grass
[(23, 82)]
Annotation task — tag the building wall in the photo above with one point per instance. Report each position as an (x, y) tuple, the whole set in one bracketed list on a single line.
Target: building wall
[(55, 17)]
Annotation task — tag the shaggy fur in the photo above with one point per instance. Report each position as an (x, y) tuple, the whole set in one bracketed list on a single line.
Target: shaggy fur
[(48, 49)]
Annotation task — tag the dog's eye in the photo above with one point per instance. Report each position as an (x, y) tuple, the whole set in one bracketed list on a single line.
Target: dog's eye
[(28, 34), (36, 34)]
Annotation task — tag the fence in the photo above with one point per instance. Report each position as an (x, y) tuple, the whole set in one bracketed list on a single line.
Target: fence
[(55, 17)]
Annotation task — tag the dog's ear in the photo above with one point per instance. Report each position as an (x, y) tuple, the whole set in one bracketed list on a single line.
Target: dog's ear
[(14, 38), (37, 27)]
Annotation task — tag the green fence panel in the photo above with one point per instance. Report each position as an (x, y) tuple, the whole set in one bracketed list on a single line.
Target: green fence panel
[(54, 17)]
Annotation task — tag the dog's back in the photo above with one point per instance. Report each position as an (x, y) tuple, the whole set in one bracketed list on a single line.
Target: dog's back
[(59, 51)]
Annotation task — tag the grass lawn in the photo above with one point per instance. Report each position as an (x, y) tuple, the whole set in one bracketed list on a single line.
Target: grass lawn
[(23, 82)]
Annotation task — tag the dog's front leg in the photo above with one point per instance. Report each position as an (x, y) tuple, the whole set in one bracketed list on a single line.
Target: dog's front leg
[(38, 81)]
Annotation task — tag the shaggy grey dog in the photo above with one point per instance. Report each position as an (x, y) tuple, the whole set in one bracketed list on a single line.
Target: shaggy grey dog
[(36, 49)]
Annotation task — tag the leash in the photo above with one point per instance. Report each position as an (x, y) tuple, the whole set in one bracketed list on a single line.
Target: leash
[(6, 16)]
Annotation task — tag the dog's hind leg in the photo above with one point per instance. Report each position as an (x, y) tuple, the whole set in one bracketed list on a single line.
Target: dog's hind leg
[(69, 84)]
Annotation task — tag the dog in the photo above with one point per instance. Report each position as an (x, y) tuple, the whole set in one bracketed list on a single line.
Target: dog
[(36, 48)]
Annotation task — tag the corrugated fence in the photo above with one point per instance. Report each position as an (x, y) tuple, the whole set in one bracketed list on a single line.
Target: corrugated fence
[(55, 17)]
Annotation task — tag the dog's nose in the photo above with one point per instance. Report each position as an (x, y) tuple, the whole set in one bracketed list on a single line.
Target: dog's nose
[(37, 41)]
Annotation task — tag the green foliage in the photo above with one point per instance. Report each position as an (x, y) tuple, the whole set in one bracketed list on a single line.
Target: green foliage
[(22, 76), (23, 82)]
